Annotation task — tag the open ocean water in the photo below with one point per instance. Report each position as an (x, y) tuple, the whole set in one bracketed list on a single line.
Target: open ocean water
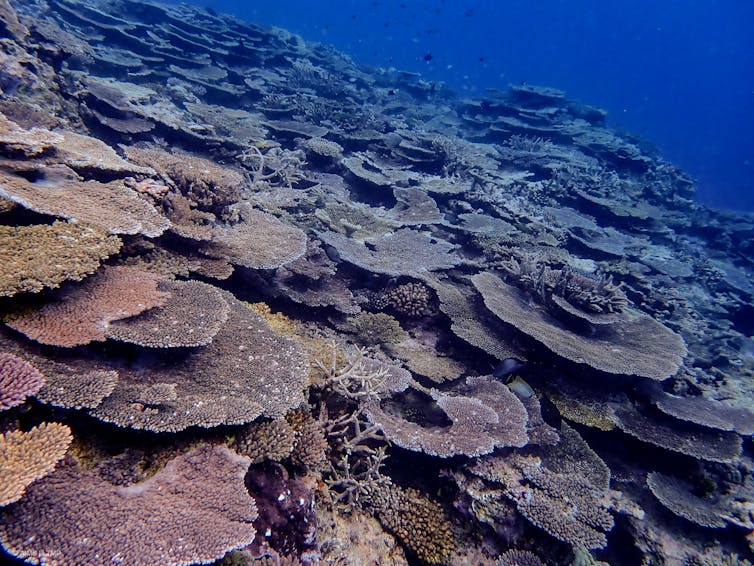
[(678, 74)]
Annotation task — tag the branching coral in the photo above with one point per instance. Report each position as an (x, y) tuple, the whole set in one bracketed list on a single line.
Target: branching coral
[(276, 167), (362, 377)]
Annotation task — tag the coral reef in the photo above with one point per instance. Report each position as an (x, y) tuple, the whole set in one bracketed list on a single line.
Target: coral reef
[(69, 251), (26, 456), (439, 330), (417, 521), (83, 313), (194, 510), (18, 380)]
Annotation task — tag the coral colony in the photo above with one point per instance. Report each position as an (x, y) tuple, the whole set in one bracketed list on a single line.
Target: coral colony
[(261, 305)]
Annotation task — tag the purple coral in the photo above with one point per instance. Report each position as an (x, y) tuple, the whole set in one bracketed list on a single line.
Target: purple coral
[(18, 380)]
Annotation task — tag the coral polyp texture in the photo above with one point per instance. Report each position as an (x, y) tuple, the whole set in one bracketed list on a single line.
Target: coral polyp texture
[(26, 456), (83, 313), (18, 379), (430, 329), (193, 511), (46, 255)]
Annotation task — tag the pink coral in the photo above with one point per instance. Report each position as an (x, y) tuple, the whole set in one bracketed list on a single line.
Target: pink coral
[(84, 313), (194, 510), (18, 380)]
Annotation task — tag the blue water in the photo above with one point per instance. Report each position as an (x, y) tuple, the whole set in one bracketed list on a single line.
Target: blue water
[(679, 74)]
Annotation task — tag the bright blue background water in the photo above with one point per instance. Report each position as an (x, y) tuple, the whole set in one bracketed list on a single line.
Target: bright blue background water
[(678, 73)]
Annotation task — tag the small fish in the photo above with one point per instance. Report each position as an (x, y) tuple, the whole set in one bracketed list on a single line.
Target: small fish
[(427, 57), (332, 253), (522, 389), (507, 367)]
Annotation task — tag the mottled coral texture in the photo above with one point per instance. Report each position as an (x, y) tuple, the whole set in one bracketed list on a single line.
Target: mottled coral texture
[(190, 317), (18, 380), (83, 313), (35, 257), (482, 413), (248, 370), (26, 456), (194, 510), (111, 206), (419, 522)]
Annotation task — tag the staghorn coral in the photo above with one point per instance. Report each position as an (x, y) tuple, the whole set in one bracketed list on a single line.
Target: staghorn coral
[(35, 257), (248, 370), (26, 456), (192, 315), (194, 510), (18, 380), (362, 377), (481, 414), (419, 522), (266, 440), (277, 167), (638, 345), (677, 496), (57, 191), (83, 314)]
